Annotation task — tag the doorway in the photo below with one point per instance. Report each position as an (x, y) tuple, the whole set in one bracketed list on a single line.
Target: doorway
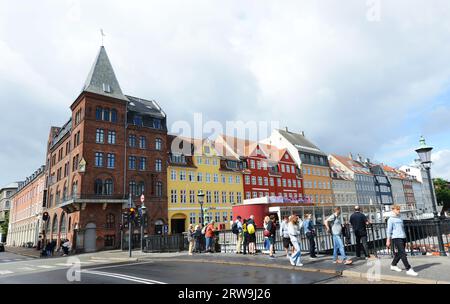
[(177, 225), (90, 237)]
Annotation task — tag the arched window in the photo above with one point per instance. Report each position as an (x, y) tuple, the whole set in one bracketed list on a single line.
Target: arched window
[(140, 188), (158, 165), (106, 114), (74, 189), (158, 144), (65, 191), (108, 186), (159, 189), (113, 115), (98, 186), (62, 226), (98, 113), (132, 187), (70, 224), (110, 221), (55, 224)]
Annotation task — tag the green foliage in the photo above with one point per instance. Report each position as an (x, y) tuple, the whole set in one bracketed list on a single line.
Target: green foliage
[(4, 225), (441, 187)]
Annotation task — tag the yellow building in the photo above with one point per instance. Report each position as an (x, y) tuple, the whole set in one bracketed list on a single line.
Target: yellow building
[(196, 165)]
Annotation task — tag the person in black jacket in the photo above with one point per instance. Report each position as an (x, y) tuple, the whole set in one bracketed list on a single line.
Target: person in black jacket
[(272, 229), (359, 222)]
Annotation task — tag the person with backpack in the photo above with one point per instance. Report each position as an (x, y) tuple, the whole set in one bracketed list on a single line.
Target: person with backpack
[(333, 224), (284, 233), (236, 228), (271, 231), (294, 232), (308, 229), (209, 234), (396, 232), (251, 229), (359, 222)]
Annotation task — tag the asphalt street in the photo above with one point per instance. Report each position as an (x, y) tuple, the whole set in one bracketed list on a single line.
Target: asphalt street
[(8, 257)]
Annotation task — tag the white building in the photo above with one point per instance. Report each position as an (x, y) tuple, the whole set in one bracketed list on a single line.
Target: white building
[(5, 204)]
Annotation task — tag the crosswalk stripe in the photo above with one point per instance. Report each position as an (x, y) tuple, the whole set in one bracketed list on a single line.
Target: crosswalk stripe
[(2, 272), (46, 266)]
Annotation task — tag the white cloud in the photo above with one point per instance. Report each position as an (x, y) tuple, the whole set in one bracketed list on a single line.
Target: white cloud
[(441, 164)]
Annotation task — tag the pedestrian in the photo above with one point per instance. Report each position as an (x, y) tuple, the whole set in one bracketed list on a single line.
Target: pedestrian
[(53, 247), (396, 233), (190, 237), (359, 223), (198, 238), (294, 232), (66, 247), (284, 233), (209, 234), (266, 238), (245, 237), (333, 224), (236, 228), (251, 229), (48, 249), (271, 229), (310, 232)]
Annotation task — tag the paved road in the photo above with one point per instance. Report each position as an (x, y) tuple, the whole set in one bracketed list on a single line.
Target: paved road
[(8, 257), (161, 272)]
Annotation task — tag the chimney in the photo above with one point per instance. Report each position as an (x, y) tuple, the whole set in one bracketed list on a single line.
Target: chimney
[(286, 128), (350, 155), (303, 133), (360, 158), (367, 161)]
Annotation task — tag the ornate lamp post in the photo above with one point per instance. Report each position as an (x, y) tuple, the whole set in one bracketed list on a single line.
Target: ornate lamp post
[(424, 152), (201, 197)]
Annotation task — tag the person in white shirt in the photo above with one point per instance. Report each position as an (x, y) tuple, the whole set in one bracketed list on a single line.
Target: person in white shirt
[(294, 233), (284, 233)]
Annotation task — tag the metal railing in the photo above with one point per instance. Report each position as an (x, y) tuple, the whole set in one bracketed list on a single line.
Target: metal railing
[(421, 238), (165, 243)]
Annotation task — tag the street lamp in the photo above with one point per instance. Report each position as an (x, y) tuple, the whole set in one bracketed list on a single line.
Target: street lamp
[(143, 214), (201, 197), (424, 152)]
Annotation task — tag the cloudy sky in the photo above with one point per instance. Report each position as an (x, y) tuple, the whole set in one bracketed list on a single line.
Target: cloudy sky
[(366, 76)]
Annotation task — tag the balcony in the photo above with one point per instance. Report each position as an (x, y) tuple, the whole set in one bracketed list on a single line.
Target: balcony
[(78, 202)]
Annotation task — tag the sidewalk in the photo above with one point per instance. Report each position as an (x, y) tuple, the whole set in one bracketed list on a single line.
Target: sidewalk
[(431, 269), (29, 252)]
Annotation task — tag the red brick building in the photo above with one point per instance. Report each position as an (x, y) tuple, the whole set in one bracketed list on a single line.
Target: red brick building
[(112, 145), (269, 171)]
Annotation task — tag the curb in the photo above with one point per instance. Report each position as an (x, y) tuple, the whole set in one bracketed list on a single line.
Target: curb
[(384, 277), (116, 259), (276, 266)]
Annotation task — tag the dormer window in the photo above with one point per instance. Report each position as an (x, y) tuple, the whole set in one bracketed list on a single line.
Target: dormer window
[(106, 88)]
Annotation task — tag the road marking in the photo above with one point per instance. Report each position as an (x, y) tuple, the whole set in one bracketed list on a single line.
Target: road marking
[(26, 268), (123, 277), (82, 262), (19, 259), (100, 261), (2, 272), (7, 260), (46, 266), (122, 265), (65, 264)]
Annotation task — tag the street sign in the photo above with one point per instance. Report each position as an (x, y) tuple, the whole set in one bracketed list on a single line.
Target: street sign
[(142, 198), (166, 229)]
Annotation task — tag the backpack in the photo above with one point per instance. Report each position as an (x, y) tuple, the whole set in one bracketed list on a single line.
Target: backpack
[(251, 229), (234, 228)]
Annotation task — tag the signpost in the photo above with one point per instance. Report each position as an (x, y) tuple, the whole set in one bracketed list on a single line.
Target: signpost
[(130, 223), (142, 215)]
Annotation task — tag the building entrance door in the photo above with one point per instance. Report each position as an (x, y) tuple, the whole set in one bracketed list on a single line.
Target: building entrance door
[(90, 236), (177, 225)]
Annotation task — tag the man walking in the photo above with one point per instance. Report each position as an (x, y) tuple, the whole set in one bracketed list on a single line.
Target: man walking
[(359, 222), (309, 231), (396, 232), (334, 224)]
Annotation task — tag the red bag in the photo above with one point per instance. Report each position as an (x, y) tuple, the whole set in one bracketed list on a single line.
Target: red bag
[(267, 233)]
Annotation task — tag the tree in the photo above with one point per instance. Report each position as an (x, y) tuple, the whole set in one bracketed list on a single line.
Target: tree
[(441, 187), (4, 225)]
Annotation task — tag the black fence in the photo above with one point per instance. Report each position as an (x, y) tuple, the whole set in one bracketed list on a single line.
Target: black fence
[(165, 243), (421, 237)]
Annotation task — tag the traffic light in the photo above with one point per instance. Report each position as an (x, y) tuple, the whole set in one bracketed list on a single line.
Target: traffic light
[(132, 213), (45, 216)]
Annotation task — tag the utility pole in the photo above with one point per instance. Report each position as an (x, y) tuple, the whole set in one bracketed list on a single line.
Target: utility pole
[(130, 223)]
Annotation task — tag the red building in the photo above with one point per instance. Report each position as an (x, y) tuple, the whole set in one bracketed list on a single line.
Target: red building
[(269, 171), (113, 145)]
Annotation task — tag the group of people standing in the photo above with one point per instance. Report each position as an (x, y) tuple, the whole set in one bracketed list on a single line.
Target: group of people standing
[(50, 246), (201, 238)]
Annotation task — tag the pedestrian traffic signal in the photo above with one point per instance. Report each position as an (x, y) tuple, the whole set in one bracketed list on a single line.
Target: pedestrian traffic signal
[(45, 216)]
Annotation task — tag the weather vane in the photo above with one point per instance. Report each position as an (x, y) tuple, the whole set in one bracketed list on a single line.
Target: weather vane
[(103, 35)]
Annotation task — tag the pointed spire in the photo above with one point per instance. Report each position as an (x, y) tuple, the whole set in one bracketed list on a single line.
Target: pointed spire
[(101, 79)]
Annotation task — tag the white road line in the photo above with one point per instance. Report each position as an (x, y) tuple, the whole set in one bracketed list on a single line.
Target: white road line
[(123, 277), (26, 268), (82, 262), (46, 266), (65, 264), (100, 261), (2, 272), (122, 265)]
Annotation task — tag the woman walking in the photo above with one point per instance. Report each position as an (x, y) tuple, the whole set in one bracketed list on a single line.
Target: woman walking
[(270, 233), (396, 233), (293, 229), (190, 237)]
